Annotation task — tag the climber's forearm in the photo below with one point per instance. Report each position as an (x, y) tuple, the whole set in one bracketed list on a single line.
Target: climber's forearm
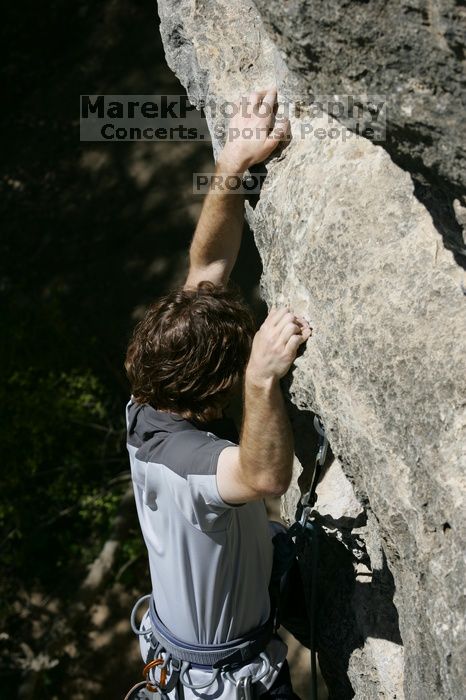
[(217, 237), (253, 134), (262, 464), (266, 445)]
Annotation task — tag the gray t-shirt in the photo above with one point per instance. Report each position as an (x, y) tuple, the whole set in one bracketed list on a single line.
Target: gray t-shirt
[(210, 562)]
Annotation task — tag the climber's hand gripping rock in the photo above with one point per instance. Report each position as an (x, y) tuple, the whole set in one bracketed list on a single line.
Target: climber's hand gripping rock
[(254, 131), (276, 344)]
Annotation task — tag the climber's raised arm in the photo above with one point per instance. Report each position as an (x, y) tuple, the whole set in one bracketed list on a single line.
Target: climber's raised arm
[(217, 237)]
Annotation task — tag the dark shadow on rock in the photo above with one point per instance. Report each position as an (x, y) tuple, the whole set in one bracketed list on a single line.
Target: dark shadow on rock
[(348, 611), (258, 174), (342, 523), (337, 632), (377, 614)]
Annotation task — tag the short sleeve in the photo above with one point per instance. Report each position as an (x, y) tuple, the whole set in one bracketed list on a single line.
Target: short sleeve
[(193, 456), (211, 511)]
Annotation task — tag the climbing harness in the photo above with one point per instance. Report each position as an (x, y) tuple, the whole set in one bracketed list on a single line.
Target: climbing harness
[(234, 653), (173, 658), (306, 533)]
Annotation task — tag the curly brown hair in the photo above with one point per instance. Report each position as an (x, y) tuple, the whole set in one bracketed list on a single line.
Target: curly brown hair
[(189, 352)]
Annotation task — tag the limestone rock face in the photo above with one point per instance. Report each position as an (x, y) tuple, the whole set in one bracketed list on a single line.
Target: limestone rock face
[(345, 242), (410, 52)]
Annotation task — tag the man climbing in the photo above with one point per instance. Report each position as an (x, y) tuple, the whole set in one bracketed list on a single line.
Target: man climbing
[(199, 491)]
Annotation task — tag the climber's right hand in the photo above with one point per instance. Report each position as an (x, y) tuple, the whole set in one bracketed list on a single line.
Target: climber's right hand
[(254, 131), (276, 344)]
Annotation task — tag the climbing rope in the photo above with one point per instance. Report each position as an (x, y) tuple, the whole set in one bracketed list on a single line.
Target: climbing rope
[(307, 535)]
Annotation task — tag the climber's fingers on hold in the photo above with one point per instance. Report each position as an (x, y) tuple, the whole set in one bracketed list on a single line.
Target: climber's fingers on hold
[(304, 326), (269, 99), (274, 316), (288, 331), (256, 97), (277, 314), (268, 110), (288, 318), (291, 348), (280, 130), (266, 148), (302, 321), (306, 332), (260, 93)]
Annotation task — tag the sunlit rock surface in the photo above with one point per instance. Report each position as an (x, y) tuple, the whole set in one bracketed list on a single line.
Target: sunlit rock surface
[(345, 241), (412, 54)]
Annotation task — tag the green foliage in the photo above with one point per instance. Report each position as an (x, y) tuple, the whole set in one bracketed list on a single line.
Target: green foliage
[(60, 452)]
